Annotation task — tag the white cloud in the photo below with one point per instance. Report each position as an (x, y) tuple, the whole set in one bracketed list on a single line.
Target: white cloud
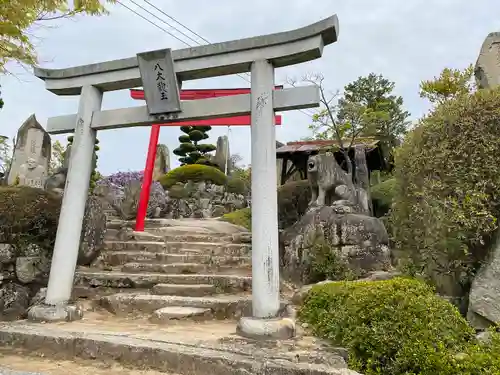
[(405, 41)]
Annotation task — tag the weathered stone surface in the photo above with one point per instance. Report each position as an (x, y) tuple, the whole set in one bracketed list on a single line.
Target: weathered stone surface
[(169, 313), (202, 200), (231, 357), (7, 254), (93, 231), (162, 161), (197, 290), (266, 329), (14, 301), (222, 153), (358, 241), (31, 159), (226, 283), (63, 313), (487, 70), (222, 307), (32, 268), (484, 296)]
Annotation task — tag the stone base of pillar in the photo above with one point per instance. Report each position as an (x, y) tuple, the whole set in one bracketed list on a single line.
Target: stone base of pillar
[(266, 329), (60, 313)]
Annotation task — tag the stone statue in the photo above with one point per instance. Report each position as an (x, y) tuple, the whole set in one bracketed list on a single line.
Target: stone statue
[(325, 175), (32, 174)]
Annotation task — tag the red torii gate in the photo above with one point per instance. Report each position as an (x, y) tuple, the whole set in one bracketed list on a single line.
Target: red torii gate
[(155, 134)]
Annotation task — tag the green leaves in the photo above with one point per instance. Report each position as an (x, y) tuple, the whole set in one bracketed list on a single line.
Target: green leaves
[(445, 207), (17, 16), (450, 84), (190, 151)]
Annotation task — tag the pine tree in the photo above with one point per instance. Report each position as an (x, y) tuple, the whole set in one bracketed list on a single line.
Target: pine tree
[(190, 150)]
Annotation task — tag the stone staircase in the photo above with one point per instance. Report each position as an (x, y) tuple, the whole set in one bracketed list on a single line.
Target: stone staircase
[(175, 269)]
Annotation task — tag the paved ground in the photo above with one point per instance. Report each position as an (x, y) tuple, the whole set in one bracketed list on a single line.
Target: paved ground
[(19, 363)]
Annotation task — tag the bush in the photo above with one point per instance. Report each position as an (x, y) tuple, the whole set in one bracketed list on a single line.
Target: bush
[(242, 217), (237, 186), (293, 199), (382, 195), (195, 173), (28, 216), (389, 327), (446, 203)]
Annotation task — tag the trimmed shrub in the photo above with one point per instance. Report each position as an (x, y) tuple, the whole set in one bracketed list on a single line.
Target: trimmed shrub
[(28, 216), (293, 199), (446, 203), (237, 186), (382, 195), (391, 327), (195, 173), (242, 217)]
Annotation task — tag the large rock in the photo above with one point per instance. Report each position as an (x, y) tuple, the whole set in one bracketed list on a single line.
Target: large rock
[(358, 241), (14, 301), (93, 231), (487, 70), (484, 296)]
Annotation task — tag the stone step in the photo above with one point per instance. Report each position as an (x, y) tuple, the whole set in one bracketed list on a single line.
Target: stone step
[(196, 290), (113, 279), (169, 313), (119, 258), (169, 353), (133, 304), (214, 248), (129, 235), (186, 268)]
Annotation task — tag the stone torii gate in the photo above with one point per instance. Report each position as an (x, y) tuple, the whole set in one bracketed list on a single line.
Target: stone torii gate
[(260, 55)]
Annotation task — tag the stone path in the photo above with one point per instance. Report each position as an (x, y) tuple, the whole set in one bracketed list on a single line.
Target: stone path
[(168, 300), (178, 269)]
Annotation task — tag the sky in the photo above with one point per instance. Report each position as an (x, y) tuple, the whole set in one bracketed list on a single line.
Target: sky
[(405, 41)]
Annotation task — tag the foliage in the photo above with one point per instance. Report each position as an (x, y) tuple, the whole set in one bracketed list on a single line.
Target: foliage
[(57, 156), (5, 155), (241, 217), (244, 174), (326, 264), (391, 327), (367, 107), (178, 191), (20, 15), (1, 100), (446, 206), (293, 200), (195, 173), (62, 155), (190, 150), (237, 185), (450, 84), (28, 216), (122, 191), (382, 195)]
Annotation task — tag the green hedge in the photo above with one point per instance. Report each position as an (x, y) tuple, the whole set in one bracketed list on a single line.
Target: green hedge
[(392, 327), (237, 186), (195, 173), (446, 207), (28, 216), (242, 217)]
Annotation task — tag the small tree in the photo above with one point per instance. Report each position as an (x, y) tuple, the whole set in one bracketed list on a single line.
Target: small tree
[(190, 150), (450, 84), (57, 157)]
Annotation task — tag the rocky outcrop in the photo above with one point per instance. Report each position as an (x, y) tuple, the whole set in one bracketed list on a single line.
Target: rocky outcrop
[(93, 231), (358, 242), (484, 295), (487, 70), (202, 200)]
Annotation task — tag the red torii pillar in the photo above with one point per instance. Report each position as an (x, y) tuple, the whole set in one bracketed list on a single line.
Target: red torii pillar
[(155, 134)]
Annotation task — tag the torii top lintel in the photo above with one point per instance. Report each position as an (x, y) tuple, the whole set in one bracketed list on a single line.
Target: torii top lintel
[(232, 57)]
